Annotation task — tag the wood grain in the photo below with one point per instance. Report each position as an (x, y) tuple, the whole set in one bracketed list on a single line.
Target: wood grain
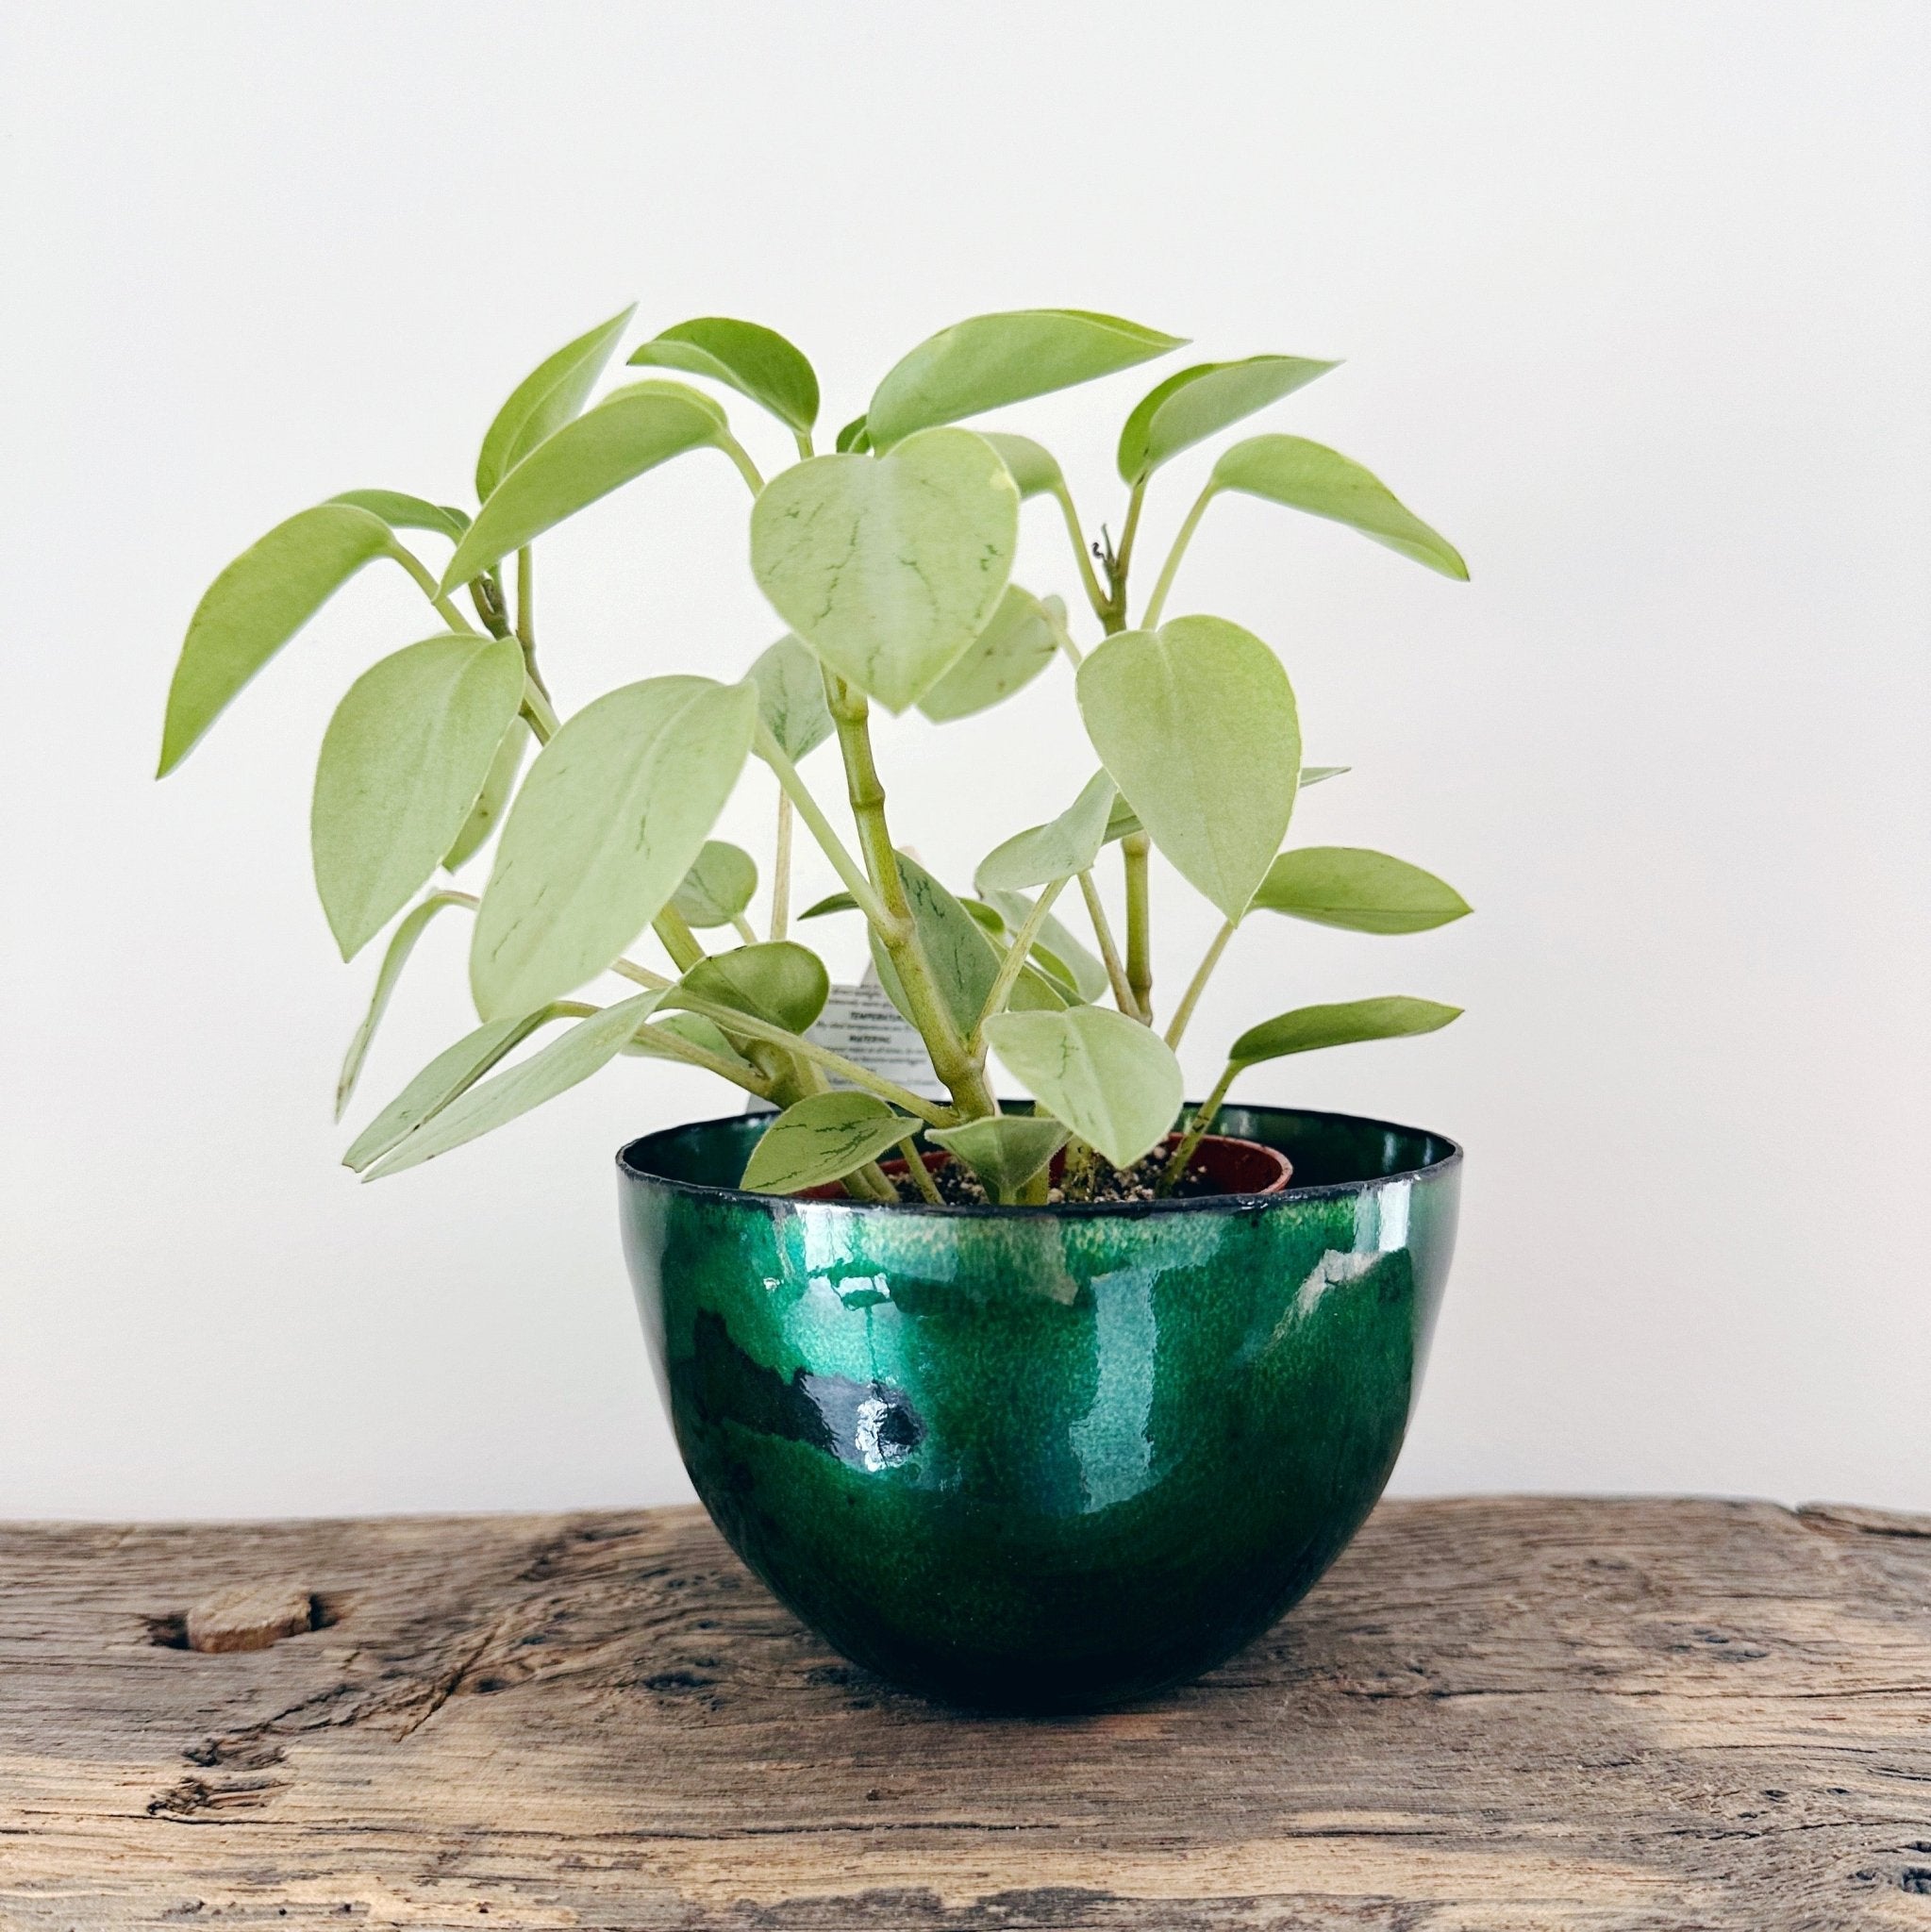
[(1495, 1714)]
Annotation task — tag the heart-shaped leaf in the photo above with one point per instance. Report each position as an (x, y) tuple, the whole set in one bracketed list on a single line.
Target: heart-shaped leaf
[(1200, 402), (403, 763), (963, 960), (612, 815), (547, 399), (559, 1066), (401, 944), (756, 361), (1343, 1024), (823, 1138), (790, 697), (1196, 723), (1113, 1081), (1021, 640), (718, 887), (888, 568), (1056, 850), (1005, 1150), (1306, 475), (995, 360), (631, 431), (1034, 469), (452, 1072), (401, 512), (1358, 890), (487, 811), (778, 981), (256, 605)]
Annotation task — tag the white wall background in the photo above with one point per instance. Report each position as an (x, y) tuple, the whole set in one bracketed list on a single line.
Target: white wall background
[(1634, 301)]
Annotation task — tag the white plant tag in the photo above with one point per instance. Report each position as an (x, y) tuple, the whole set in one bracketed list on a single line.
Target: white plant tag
[(862, 1023)]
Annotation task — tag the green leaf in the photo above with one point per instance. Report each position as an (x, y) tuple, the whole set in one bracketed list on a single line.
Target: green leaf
[(494, 802), (1056, 850), (993, 359), (776, 980), (1358, 890), (1020, 641), (1320, 775), (630, 431), (1033, 468), (1113, 1081), (757, 362), (1197, 724), (1305, 475), (823, 1138), (888, 568), (1083, 971), (401, 944), (547, 399), (403, 764), (692, 1028), (1124, 822), (963, 960), (1005, 1150), (401, 512), (1343, 1024), (853, 440), (559, 1066), (790, 697), (718, 887), (1202, 401), (256, 605), (452, 1072), (612, 815), (834, 902)]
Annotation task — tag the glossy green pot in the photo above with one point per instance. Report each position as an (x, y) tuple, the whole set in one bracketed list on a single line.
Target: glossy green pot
[(1043, 1458)]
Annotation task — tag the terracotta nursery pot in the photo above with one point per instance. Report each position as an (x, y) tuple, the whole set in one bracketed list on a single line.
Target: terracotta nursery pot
[(1044, 1458)]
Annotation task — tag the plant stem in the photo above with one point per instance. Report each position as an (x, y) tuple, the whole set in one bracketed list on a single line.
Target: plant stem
[(1197, 985), (963, 1074), (1140, 965), (1014, 962), (741, 457), (781, 868), (868, 1183), (1109, 950), (526, 598), (1115, 612), (804, 440), (1164, 582), (426, 584), (848, 869), (679, 940), (669, 1046), (1094, 595), (1175, 1169), (486, 593), (743, 930), (915, 1170), (537, 708)]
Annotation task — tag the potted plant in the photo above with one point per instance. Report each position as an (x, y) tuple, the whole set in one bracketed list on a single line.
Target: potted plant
[(1036, 1405)]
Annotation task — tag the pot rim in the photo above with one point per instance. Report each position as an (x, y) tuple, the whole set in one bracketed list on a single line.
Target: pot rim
[(1080, 1210)]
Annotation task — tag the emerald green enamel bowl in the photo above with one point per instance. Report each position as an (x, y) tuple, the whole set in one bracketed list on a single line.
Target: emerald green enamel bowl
[(1043, 1458)]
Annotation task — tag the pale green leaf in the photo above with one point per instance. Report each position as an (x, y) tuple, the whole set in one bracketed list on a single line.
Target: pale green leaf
[(963, 961), (1124, 822), (1197, 725), (395, 957), (1358, 890), (1202, 401), (256, 605), (993, 359), (1307, 476), (1005, 1150), (823, 1138), (630, 431), (403, 513), (547, 399), (452, 1072), (612, 815), (1083, 971), (1114, 1082), (756, 361), (1020, 641), (557, 1068), (1056, 850), (1341, 1024), (853, 440), (832, 902), (1320, 775), (790, 697), (1034, 468), (403, 764), (718, 887), (488, 810), (888, 568), (776, 980)]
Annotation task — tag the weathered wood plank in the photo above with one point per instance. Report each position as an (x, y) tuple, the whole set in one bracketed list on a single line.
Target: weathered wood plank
[(1495, 1713)]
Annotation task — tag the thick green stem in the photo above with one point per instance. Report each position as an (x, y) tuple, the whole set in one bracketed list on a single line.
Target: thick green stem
[(743, 927), (916, 1173), (1109, 950), (679, 940), (537, 710), (964, 1075), (1014, 962), (1115, 612), (1094, 594), (741, 457), (1164, 583), (670, 1046), (1134, 849), (781, 868), (1174, 1171), (426, 584), (847, 868), (1197, 985)]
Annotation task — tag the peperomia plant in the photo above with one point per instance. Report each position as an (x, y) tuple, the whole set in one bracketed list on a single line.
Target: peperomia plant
[(890, 560)]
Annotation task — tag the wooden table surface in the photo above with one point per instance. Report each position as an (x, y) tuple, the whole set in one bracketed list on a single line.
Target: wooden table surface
[(1494, 1713)]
